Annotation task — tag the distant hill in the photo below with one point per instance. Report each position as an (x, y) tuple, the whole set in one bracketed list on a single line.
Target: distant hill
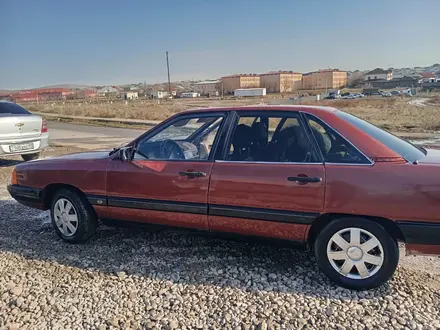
[(416, 70), (188, 85), (69, 86)]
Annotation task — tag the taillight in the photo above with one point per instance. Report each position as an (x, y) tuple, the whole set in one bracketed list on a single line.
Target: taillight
[(14, 177), (43, 126)]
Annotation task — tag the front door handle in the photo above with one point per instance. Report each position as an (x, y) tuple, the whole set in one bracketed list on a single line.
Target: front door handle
[(192, 174), (304, 179)]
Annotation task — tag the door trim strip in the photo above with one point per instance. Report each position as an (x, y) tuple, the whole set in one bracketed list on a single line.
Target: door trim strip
[(305, 218), (230, 211), (157, 205)]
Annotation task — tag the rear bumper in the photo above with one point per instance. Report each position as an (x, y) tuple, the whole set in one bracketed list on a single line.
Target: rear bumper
[(27, 196), (39, 143), (421, 237)]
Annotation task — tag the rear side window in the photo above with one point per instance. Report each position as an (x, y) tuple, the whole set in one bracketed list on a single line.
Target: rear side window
[(12, 108), (402, 147), (334, 148), (271, 139)]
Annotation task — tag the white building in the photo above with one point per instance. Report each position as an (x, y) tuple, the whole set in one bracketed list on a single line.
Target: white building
[(160, 94), (131, 95), (379, 74), (209, 87), (106, 90), (189, 95), (242, 92)]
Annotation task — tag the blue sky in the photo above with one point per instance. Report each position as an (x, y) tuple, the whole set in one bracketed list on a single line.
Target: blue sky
[(49, 42)]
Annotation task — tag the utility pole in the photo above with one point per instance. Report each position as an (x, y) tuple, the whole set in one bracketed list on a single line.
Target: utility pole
[(169, 82)]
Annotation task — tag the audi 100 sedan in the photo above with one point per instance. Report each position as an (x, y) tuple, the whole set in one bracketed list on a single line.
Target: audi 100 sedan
[(311, 175)]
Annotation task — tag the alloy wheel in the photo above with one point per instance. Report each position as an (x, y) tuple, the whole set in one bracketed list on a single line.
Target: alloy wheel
[(66, 217), (355, 253)]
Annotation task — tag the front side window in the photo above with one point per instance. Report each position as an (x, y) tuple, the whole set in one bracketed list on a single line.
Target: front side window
[(266, 138), (334, 148), (184, 139), (402, 147)]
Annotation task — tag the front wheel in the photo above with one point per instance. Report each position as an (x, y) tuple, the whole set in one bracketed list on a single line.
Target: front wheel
[(73, 218), (356, 253), (29, 157)]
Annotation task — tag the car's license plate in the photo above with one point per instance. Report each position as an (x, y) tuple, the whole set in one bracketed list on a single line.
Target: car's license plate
[(21, 147)]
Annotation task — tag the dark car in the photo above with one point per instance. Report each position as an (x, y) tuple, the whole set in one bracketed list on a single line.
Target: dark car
[(315, 176)]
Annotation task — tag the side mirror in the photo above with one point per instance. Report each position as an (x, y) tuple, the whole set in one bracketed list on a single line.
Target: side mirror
[(126, 153)]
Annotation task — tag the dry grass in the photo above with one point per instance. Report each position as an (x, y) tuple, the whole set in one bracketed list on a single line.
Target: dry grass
[(140, 109), (435, 100), (395, 114)]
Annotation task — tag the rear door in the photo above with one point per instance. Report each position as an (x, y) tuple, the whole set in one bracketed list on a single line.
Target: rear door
[(18, 123), (270, 180), (167, 181)]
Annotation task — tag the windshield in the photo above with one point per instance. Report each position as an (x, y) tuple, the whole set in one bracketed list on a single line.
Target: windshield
[(12, 108), (402, 147)]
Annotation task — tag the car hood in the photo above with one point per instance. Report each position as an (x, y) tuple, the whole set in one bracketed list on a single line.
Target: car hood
[(90, 155), (432, 157)]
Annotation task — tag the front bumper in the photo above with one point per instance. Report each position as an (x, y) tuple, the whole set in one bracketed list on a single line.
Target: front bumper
[(421, 237), (39, 143), (27, 196)]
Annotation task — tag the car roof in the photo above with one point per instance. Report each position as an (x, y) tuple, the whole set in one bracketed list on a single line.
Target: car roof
[(266, 107)]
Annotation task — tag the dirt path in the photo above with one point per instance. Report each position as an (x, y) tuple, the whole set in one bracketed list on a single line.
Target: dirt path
[(419, 102)]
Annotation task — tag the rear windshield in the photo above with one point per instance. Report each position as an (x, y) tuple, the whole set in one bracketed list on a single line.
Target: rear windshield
[(407, 150), (7, 108)]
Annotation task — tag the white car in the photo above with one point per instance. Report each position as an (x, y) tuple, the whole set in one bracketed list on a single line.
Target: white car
[(21, 133)]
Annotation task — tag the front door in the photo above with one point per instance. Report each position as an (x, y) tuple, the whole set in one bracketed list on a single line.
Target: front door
[(270, 181), (167, 180)]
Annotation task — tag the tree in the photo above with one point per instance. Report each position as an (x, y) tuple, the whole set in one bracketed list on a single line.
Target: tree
[(356, 79)]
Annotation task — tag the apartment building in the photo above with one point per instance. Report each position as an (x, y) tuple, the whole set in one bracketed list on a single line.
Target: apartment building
[(323, 79), (237, 81), (281, 81), (209, 87)]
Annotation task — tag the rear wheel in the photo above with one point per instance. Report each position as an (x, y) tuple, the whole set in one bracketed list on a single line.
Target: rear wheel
[(356, 253), (29, 157), (72, 216)]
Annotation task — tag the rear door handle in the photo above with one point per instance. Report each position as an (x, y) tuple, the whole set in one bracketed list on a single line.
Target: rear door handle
[(192, 174), (304, 179)]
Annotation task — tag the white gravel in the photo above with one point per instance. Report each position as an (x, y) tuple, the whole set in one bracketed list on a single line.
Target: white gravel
[(151, 279)]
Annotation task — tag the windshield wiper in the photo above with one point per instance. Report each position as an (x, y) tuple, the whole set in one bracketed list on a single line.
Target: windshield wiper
[(423, 150)]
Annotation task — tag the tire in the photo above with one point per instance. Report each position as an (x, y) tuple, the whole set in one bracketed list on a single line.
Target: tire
[(86, 221), (29, 157), (363, 275)]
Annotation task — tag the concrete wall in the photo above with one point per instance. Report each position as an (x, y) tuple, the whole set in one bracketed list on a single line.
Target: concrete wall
[(230, 84)]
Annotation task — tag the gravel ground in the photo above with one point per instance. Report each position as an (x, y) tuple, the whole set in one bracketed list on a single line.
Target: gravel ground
[(127, 278)]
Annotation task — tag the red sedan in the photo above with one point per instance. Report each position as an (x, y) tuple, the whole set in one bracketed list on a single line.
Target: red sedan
[(312, 175)]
